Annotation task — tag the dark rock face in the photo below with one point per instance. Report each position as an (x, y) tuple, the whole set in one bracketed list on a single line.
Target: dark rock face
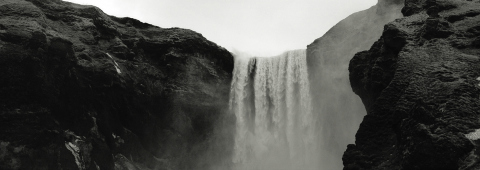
[(420, 83), (327, 59), (83, 90)]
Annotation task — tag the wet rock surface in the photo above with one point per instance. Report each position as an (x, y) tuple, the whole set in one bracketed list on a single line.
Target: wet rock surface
[(83, 90), (420, 85)]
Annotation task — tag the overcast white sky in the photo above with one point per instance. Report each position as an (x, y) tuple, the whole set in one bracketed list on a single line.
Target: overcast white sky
[(257, 27)]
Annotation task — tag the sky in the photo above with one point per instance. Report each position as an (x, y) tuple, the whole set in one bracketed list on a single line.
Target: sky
[(256, 27)]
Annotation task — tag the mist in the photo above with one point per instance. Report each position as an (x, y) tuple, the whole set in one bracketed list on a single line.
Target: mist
[(340, 110), (297, 110), (84, 89), (271, 100)]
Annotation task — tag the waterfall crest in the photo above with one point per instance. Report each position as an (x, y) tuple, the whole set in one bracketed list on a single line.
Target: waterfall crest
[(271, 100)]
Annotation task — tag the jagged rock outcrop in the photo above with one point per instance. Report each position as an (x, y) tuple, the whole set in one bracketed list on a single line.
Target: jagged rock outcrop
[(83, 90), (420, 83), (339, 110)]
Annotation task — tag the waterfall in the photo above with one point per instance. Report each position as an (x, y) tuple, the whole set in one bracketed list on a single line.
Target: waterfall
[(275, 127)]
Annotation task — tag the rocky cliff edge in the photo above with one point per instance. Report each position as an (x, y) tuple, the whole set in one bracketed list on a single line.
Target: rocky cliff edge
[(420, 84), (328, 58), (83, 90)]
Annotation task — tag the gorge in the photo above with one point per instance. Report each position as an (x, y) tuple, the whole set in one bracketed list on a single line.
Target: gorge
[(395, 86)]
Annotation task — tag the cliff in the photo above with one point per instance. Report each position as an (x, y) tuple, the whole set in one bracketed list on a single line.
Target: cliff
[(420, 86), (83, 90), (339, 110)]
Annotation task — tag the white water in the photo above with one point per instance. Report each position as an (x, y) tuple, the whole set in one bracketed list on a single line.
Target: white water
[(116, 64), (275, 127)]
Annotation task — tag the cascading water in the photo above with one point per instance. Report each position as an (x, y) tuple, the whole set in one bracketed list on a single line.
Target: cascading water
[(275, 127)]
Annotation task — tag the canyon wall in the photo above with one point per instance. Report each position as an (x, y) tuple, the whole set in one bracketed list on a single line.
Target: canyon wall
[(420, 83), (83, 90), (338, 109)]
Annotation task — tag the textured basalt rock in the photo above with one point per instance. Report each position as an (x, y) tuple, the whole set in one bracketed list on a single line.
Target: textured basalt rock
[(420, 83), (328, 59), (83, 90)]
